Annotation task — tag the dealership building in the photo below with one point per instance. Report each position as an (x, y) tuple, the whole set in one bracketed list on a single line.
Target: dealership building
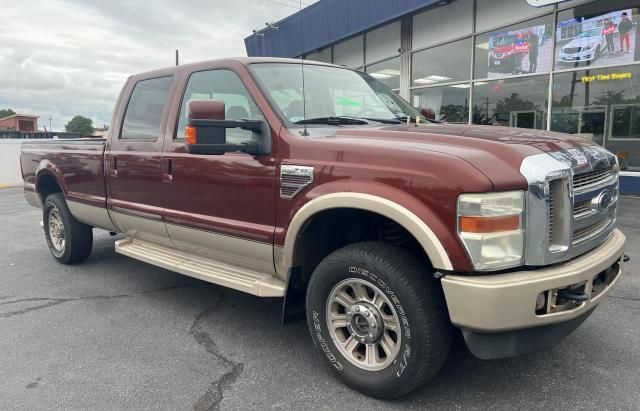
[(572, 66)]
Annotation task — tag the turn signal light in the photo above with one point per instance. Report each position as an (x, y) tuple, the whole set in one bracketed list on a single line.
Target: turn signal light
[(190, 135), (474, 224)]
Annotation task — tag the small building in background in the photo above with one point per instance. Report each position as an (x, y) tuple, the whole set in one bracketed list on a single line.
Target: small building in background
[(20, 122), (100, 131)]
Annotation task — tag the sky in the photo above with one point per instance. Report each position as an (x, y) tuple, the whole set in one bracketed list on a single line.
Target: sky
[(61, 58)]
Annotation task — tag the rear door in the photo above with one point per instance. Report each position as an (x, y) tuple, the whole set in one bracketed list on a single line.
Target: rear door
[(134, 160)]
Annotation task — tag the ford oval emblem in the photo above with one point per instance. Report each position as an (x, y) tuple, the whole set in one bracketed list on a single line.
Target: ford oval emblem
[(602, 202)]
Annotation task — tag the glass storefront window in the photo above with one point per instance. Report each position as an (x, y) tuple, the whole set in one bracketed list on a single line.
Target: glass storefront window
[(383, 42), (601, 105), (522, 48), (517, 102), (447, 63), (494, 13), (450, 103), (323, 55), (428, 28), (349, 53), (388, 72), (597, 34)]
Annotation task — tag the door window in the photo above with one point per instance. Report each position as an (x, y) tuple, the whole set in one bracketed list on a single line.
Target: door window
[(144, 111), (221, 85)]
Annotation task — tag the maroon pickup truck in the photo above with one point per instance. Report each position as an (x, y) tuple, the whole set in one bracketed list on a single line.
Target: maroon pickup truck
[(387, 230)]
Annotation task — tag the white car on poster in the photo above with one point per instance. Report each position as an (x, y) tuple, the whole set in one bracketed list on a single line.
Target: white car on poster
[(587, 46)]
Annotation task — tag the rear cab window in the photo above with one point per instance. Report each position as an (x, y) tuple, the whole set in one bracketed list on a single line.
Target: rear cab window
[(143, 115)]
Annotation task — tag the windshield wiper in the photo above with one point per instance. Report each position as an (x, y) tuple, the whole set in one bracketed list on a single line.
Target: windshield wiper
[(334, 121), (384, 120)]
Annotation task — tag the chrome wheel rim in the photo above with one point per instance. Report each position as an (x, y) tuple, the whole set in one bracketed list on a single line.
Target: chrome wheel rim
[(363, 324), (56, 230)]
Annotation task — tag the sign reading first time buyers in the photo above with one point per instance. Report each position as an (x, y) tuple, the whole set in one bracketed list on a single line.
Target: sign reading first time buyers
[(606, 77)]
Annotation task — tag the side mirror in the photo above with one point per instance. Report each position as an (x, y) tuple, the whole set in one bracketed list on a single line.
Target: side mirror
[(206, 131), (428, 113)]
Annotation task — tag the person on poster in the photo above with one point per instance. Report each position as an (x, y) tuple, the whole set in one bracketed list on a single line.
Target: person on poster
[(608, 32), (624, 29), (534, 41), (519, 48)]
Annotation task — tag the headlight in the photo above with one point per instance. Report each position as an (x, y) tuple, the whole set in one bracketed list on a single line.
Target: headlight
[(491, 229)]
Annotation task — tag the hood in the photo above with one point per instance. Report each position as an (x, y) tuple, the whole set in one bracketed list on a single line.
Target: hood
[(503, 49), (582, 42), (495, 151)]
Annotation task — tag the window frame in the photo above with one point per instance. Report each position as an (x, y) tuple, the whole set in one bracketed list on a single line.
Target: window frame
[(164, 108), (174, 136)]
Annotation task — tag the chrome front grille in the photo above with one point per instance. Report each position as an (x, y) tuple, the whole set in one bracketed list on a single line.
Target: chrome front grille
[(571, 203), (585, 233), (582, 209), (584, 181)]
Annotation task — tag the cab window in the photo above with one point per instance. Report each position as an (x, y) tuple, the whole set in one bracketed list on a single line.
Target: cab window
[(144, 112), (221, 85)]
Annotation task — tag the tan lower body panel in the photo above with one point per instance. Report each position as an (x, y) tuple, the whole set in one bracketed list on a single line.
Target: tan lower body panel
[(242, 279), (502, 302), (95, 216)]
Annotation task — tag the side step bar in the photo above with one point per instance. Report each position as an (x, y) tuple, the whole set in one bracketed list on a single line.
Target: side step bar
[(203, 268)]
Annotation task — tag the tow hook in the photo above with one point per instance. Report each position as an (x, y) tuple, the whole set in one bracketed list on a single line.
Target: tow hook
[(568, 294), (625, 258)]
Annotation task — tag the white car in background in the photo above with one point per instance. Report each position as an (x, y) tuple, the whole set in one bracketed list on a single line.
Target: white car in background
[(586, 47)]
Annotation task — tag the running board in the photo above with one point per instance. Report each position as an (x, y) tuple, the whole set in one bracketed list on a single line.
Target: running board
[(203, 268)]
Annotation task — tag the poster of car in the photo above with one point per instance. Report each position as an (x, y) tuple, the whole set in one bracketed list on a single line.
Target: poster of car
[(604, 39), (525, 50)]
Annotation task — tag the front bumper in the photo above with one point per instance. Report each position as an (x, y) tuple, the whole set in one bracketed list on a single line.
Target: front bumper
[(581, 56), (505, 302)]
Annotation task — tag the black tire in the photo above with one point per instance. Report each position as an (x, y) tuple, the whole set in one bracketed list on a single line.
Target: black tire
[(78, 237), (417, 298)]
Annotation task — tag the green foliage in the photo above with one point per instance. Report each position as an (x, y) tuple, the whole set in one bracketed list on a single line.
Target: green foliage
[(80, 124), (6, 112)]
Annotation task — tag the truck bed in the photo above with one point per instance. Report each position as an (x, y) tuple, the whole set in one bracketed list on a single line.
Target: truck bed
[(76, 164)]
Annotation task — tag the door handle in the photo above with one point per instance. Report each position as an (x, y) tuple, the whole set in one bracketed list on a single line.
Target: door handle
[(114, 167), (167, 176)]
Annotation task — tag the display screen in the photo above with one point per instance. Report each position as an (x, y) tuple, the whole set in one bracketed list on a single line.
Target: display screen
[(608, 38), (519, 51)]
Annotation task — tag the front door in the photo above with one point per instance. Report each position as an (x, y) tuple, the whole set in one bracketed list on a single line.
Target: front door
[(133, 162), (220, 205)]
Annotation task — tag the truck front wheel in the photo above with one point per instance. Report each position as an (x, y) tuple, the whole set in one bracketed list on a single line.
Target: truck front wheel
[(378, 318), (69, 240)]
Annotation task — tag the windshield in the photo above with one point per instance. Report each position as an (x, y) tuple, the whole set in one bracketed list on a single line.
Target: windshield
[(590, 33), (329, 92), (505, 41)]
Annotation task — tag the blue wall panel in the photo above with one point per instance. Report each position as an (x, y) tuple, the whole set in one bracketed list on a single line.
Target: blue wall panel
[(327, 22)]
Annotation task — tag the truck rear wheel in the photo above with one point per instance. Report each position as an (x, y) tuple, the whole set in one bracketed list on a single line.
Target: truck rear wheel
[(378, 318), (69, 240)]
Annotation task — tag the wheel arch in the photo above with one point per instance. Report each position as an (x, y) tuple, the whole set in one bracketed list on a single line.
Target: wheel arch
[(394, 211), (48, 181)]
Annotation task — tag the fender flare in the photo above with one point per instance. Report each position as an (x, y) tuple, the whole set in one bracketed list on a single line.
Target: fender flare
[(49, 169), (379, 205)]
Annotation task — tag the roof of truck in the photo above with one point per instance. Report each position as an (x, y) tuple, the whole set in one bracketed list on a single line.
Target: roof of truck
[(230, 60)]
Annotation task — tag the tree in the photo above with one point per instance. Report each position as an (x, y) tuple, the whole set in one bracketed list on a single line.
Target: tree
[(80, 124), (6, 112)]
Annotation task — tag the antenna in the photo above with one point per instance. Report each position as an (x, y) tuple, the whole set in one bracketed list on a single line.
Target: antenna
[(304, 132)]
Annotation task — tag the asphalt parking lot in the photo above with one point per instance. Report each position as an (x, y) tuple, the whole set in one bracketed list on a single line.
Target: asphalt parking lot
[(115, 333)]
